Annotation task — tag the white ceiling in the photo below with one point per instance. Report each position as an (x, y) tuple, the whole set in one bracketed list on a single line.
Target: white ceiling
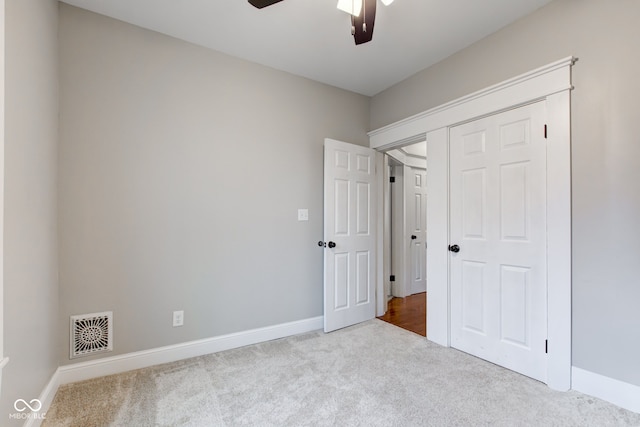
[(411, 155), (418, 149), (312, 38)]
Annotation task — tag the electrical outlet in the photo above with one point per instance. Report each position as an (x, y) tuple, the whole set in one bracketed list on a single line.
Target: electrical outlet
[(303, 214), (178, 318)]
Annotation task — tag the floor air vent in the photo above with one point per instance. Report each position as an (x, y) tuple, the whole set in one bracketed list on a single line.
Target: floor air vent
[(91, 334)]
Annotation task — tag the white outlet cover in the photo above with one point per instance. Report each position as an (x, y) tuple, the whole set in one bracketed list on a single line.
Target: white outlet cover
[(303, 214), (178, 318)]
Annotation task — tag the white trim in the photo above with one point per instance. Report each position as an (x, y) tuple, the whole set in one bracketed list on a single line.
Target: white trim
[(45, 398), (551, 84), (559, 240), (438, 237), (381, 174), (142, 359), (619, 393), (5, 360), (384, 239), (554, 77)]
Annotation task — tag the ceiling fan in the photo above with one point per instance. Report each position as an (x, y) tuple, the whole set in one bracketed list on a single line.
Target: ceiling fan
[(363, 15)]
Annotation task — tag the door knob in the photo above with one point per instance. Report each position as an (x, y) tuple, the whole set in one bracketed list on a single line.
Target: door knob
[(414, 237), (321, 243), (331, 244), (454, 248)]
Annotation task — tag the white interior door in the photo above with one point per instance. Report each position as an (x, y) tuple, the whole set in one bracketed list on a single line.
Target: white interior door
[(416, 192), (349, 234), (498, 221)]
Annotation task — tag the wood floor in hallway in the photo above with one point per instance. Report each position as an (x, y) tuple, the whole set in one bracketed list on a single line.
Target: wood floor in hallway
[(409, 313)]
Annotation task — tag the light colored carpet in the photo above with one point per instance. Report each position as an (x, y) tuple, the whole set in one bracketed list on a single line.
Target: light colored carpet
[(372, 374)]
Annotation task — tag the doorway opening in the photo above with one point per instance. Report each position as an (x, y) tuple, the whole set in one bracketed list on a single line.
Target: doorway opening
[(408, 313), (405, 202)]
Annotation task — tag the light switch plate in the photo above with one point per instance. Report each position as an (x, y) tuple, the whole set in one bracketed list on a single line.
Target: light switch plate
[(303, 214)]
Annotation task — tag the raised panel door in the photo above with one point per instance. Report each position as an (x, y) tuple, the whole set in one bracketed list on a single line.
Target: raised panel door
[(349, 224), (498, 220)]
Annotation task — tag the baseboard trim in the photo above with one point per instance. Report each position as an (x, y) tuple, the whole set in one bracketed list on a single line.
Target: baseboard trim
[(619, 393), (45, 398), (142, 359), (3, 363)]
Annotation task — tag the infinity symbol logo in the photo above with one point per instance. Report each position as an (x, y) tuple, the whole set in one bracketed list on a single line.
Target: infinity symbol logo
[(37, 405)]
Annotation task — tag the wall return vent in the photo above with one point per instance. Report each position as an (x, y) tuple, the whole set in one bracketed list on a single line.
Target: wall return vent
[(91, 334)]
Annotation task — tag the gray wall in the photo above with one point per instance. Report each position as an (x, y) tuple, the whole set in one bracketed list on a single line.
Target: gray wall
[(30, 242), (181, 172), (604, 36)]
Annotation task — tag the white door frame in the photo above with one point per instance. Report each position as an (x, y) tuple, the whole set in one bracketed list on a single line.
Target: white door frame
[(551, 84)]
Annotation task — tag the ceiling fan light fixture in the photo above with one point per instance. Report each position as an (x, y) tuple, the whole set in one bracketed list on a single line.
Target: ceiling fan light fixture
[(352, 7)]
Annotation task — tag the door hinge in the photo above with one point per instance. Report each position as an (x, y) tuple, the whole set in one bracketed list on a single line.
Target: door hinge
[(392, 179), (392, 278), (545, 131), (546, 346)]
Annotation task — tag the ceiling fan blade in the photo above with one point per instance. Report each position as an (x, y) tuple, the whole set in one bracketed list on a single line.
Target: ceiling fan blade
[(363, 24), (263, 3)]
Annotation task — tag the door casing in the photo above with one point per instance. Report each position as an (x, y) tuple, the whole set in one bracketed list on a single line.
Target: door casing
[(552, 85)]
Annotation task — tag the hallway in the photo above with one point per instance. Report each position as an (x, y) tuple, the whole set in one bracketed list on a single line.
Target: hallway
[(408, 313)]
